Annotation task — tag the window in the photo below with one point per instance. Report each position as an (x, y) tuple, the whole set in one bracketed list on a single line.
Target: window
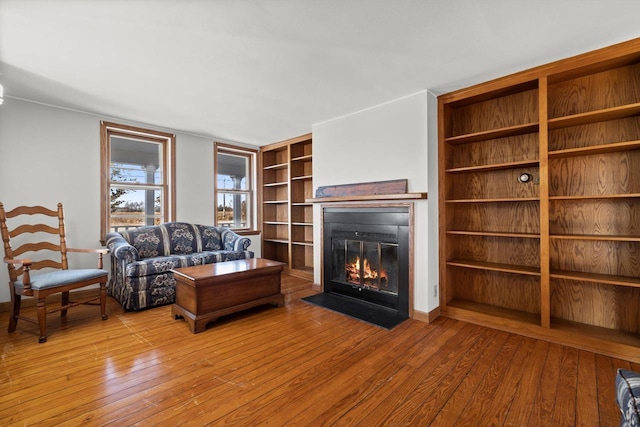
[(234, 184), (137, 177)]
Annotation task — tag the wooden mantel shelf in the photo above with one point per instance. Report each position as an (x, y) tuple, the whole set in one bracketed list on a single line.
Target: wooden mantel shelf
[(366, 191), (369, 197)]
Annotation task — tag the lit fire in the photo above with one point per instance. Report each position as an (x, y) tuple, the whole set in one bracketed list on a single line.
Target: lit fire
[(370, 275)]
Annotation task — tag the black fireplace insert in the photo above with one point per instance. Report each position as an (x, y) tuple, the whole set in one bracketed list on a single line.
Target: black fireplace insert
[(366, 260)]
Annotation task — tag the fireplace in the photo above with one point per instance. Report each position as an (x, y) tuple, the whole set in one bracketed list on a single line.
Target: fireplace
[(366, 257)]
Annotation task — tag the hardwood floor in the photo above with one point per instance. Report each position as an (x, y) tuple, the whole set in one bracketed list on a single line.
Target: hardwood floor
[(295, 365)]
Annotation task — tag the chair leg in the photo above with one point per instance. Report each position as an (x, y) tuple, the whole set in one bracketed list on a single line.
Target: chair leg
[(42, 319), (64, 301), (15, 311), (103, 301)]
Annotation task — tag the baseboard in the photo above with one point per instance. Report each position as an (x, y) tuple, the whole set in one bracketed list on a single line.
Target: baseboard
[(53, 299), (426, 317)]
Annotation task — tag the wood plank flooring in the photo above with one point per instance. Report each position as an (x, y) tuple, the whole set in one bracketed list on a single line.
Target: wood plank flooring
[(295, 365)]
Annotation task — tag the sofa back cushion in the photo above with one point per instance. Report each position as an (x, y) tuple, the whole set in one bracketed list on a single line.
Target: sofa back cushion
[(183, 238), (210, 238), (173, 238), (149, 241)]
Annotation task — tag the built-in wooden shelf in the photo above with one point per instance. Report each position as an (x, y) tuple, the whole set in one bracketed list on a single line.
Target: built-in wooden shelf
[(596, 278), (595, 116), (602, 237), (284, 241), (554, 257), (494, 266), (498, 166), (277, 166), (595, 149), (287, 219), (596, 196), (493, 234), (307, 157), (497, 200), (493, 134)]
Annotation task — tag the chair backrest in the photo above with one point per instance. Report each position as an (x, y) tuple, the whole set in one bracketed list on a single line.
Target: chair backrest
[(30, 220)]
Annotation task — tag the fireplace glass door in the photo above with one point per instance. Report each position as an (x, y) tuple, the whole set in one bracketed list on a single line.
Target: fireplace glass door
[(365, 264)]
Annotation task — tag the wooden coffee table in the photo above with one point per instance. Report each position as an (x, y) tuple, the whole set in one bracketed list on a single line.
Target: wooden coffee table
[(206, 292)]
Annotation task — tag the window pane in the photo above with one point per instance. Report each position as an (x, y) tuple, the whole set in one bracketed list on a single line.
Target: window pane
[(232, 172), (232, 209), (136, 161), (134, 207)]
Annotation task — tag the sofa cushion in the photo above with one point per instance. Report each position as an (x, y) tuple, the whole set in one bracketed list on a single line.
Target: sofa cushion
[(628, 396), (163, 264), (183, 238), (149, 241), (210, 238), (159, 265)]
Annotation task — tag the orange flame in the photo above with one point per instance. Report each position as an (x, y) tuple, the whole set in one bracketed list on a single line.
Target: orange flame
[(353, 271)]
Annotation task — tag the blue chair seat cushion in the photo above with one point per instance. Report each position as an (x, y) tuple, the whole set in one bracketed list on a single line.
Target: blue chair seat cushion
[(55, 278), (628, 397)]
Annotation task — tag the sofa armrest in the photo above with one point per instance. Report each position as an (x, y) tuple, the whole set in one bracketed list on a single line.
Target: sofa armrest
[(628, 396), (231, 241), (121, 249)]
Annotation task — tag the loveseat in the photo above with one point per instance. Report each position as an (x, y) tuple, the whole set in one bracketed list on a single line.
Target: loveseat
[(141, 259)]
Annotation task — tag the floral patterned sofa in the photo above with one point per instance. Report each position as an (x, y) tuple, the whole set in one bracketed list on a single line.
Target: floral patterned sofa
[(141, 259)]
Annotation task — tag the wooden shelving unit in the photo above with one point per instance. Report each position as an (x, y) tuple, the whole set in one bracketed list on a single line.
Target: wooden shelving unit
[(540, 202), (287, 216)]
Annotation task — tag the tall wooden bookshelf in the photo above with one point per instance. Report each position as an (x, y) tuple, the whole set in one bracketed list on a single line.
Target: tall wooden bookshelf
[(540, 202), (287, 219)]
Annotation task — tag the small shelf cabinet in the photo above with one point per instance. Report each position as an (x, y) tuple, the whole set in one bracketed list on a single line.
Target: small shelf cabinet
[(540, 201), (287, 220)]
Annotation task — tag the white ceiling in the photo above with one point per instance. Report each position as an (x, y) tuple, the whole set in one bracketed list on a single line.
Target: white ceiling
[(260, 71)]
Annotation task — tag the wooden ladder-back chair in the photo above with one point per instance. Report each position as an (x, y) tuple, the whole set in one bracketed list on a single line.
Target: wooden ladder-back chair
[(27, 224)]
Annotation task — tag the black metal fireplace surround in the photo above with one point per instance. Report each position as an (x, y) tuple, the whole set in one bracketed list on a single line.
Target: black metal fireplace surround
[(366, 263)]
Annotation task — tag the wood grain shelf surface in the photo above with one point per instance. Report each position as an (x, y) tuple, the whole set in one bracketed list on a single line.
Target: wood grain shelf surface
[(595, 149), (371, 197), (596, 196), (277, 166), (275, 240), (493, 134), (494, 234), (494, 266), (495, 200), (497, 166), (596, 278), (302, 158), (601, 237), (606, 114)]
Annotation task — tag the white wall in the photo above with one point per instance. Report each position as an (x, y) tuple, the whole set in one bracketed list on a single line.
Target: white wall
[(50, 155), (385, 142)]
